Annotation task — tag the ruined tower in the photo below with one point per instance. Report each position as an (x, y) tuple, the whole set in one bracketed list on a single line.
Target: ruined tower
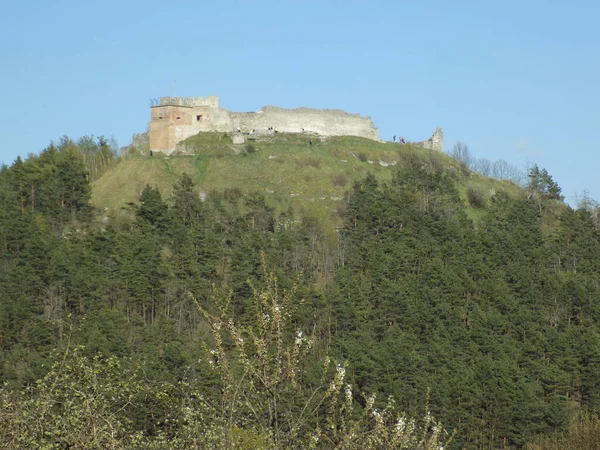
[(435, 142), (173, 119)]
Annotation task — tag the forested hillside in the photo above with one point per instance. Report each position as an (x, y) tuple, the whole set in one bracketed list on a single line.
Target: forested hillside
[(225, 323)]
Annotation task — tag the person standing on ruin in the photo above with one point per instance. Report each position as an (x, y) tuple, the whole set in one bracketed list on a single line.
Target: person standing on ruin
[(394, 138)]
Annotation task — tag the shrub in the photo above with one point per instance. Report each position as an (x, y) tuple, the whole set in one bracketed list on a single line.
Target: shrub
[(476, 198), (410, 156), (232, 194), (250, 148), (312, 162), (86, 403), (262, 366), (340, 180), (362, 157), (435, 163)]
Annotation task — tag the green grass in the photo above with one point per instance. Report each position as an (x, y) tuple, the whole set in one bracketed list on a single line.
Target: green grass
[(284, 167)]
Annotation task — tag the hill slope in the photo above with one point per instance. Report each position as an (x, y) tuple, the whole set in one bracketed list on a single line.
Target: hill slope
[(285, 167)]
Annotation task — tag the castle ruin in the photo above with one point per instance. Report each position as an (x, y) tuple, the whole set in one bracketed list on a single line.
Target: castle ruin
[(174, 119), (435, 142)]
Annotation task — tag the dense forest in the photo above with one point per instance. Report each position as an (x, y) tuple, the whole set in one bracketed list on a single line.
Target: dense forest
[(224, 323)]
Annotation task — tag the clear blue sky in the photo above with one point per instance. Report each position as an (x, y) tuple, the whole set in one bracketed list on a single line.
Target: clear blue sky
[(517, 80)]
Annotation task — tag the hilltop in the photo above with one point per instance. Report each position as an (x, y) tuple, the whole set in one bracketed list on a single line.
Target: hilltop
[(284, 167)]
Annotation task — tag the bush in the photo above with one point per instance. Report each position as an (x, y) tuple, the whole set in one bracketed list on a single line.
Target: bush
[(86, 403), (312, 162), (410, 156), (232, 194), (261, 369), (340, 180), (435, 163), (362, 157), (476, 198), (250, 148)]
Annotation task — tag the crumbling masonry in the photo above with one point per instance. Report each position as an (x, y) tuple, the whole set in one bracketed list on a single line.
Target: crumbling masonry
[(174, 119)]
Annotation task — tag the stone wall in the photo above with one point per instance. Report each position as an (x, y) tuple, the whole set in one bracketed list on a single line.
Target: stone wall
[(205, 118), (327, 122), (435, 142), (140, 142), (174, 119), (211, 101)]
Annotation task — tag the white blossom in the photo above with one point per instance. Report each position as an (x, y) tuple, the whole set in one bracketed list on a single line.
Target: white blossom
[(400, 425), (341, 371), (348, 392), (371, 401)]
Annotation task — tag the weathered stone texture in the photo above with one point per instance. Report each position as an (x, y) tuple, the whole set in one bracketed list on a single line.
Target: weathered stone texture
[(170, 125), (140, 140), (435, 142), (327, 122), (174, 119)]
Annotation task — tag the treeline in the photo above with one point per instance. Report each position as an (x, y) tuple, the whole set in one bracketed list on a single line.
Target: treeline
[(500, 169), (498, 317)]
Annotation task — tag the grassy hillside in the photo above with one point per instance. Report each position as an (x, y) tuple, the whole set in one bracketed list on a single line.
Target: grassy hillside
[(285, 167)]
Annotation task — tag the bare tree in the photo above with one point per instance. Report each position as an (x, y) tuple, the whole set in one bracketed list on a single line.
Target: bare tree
[(483, 166), (518, 177), (460, 152), (585, 202), (502, 170)]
